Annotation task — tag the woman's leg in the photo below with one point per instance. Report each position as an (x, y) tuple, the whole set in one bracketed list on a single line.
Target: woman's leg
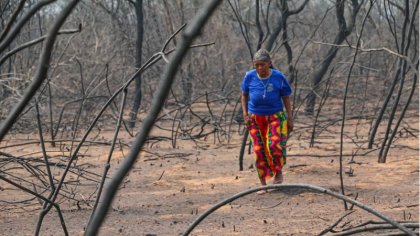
[(258, 134), (279, 178), (277, 139)]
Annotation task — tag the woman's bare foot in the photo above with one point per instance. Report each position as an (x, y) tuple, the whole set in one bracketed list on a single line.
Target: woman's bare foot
[(279, 178), (261, 192)]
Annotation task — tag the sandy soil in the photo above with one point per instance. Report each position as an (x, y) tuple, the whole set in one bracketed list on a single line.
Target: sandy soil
[(164, 195)]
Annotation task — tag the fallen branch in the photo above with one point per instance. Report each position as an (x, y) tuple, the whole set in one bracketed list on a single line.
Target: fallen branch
[(335, 224), (381, 226), (307, 187)]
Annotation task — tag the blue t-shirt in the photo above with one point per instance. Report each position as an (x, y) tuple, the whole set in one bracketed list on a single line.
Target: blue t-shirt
[(265, 95)]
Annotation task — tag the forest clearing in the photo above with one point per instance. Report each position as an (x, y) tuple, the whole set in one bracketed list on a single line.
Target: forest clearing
[(168, 188), (126, 117)]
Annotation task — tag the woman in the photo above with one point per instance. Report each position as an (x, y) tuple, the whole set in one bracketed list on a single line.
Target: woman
[(265, 94)]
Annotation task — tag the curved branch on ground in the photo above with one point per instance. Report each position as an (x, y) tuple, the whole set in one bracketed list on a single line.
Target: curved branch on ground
[(285, 187)]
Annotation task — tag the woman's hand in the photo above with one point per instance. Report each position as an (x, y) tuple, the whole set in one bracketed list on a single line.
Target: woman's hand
[(289, 124), (247, 120)]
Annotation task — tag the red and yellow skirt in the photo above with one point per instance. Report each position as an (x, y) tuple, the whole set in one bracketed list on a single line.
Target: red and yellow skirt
[(269, 137)]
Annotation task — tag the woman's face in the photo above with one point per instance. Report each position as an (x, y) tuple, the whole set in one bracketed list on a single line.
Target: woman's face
[(263, 68)]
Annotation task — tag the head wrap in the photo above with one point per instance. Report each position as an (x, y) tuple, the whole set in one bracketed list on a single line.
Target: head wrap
[(262, 55)]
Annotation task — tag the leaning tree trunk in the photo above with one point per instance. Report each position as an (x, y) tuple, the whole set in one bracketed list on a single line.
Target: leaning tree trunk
[(139, 42), (344, 31)]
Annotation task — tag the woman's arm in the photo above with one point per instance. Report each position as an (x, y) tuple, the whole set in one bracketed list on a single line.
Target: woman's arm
[(244, 101), (288, 107)]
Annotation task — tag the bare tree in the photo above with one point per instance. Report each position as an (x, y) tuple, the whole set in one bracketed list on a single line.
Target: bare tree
[(138, 5), (282, 27), (344, 29), (407, 39), (43, 62), (89, 82), (189, 35)]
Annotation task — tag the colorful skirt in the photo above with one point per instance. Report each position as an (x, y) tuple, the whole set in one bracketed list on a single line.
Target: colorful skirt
[(269, 137)]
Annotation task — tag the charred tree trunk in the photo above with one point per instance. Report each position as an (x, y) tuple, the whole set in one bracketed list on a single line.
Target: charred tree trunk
[(139, 43), (407, 33), (344, 31), (187, 85), (399, 74)]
